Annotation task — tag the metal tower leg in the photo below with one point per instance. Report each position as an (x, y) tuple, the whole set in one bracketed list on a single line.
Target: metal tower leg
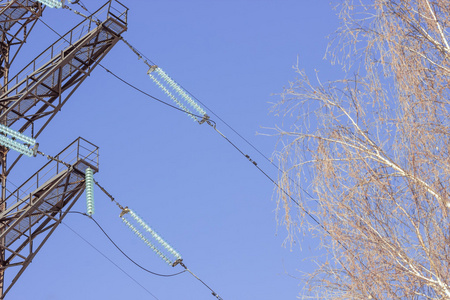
[(17, 18), (2, 208)]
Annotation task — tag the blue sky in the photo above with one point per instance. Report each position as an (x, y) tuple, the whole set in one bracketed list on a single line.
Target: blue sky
[(186, 181)]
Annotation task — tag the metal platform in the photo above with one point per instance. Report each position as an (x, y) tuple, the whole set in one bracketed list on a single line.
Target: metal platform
[(37, 207), (28, 103), (38, 92)]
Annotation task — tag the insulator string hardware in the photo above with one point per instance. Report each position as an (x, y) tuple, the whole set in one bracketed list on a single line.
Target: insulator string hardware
[(179, 90), (13, 143), (89, 182), (49, 157), (15, 134), (171, 96), (109, 195), (128, 216), (150, 237), (52, 3), (91, 18), (138, 54), (171, 88), (17, 141)]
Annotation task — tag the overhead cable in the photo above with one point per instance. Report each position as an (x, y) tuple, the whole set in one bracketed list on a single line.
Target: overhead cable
[(213, 124), (111, 261), (123, 252), (129, 217)]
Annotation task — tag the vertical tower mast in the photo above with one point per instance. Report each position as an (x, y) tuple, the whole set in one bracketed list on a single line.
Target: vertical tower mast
[(17, 18), (28, 102)]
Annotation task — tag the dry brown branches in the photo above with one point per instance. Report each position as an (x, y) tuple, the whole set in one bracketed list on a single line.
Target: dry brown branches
[(376, 146)]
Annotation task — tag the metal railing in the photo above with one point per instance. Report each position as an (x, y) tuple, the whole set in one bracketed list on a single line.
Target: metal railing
[(80, 150), (118, 11), (108, 11)]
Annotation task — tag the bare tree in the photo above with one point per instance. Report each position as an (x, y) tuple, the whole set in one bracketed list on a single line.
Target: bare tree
[(369, 154)]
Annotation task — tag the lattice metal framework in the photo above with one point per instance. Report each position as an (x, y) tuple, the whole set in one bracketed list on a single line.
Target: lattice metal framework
[(17, 18), (38, 92), (28, 102), (37, 207)]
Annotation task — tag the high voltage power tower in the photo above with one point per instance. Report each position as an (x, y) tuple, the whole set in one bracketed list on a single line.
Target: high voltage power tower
[(29, 100)]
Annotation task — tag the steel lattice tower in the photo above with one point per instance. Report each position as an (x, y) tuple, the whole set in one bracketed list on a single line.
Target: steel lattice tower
[(28, 102)]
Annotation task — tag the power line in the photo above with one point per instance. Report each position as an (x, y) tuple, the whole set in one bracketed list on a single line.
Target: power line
[(126, 82), (140, 55), (251, 145), (212, 123), (121, 251), (111, 261), (148, 95), (273, 181), (196, 277), (179, 262)]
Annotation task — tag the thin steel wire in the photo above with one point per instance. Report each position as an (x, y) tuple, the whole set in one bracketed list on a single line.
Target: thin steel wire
[(111, 261), (123, 252)]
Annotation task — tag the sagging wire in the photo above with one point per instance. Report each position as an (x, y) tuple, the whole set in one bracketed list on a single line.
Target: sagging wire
[(123, 252), (171, 96), (146, 61), (167, 84), (177, 88), (206, 119), (148, 235), (201, 119), (109, 259), (151, 238)]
